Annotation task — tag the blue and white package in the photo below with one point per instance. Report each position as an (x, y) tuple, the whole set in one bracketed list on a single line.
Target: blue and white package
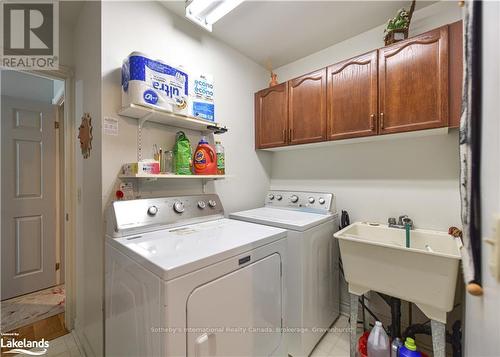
[(155, 84), (202, 97)]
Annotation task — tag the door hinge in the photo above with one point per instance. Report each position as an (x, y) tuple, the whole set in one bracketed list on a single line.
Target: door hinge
[(58, 266), (56, 125)]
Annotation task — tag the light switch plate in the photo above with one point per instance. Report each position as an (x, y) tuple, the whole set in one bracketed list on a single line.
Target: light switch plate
[(494, 242)]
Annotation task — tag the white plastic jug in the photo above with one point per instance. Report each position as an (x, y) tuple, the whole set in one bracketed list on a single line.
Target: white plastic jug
[(378, 342)]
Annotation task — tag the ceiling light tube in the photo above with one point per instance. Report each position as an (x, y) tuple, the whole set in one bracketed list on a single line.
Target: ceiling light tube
[(222, 10), (207, 12)]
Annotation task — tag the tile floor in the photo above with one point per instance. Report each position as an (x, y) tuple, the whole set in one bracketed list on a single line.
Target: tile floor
[(336, 342), (64, 346)]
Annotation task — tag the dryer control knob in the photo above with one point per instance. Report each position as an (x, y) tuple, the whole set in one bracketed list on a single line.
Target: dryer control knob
[(212, 203), (311, 199), (279, 197), (179, 207), (294, 199), (202, 204), (153, 210), (321, 201), (270, 196)]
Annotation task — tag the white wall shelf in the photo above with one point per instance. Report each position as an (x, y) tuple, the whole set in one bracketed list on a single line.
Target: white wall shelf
[(144, 114), (172, 177), (154, 177)]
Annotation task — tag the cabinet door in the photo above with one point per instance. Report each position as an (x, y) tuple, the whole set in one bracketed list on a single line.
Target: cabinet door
[(307, 108), (352, 97), (271, 117), (413, 83)]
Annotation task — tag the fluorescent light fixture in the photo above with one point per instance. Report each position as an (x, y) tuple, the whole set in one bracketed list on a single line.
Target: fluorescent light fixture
[(205, 13)]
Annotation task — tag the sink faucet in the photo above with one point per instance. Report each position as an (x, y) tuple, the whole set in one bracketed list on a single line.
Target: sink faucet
[(402, 222)]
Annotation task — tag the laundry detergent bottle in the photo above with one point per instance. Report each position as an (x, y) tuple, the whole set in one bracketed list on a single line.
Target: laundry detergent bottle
[(205, 158), (378, 342), (409, 349)]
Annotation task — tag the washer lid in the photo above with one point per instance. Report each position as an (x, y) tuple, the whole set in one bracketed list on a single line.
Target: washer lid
[(174, 252), (283, 218)]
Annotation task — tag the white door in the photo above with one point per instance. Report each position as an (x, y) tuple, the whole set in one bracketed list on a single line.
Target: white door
[(28, 238), (238, 314)]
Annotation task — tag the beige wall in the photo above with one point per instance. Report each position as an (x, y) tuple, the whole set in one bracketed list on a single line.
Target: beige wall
[(381, 179), (89, 240), (482, 330), (163, 35), (377, 180)]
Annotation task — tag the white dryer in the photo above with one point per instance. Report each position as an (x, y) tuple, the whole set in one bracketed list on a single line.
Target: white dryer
[(312, 271), (181, 280)]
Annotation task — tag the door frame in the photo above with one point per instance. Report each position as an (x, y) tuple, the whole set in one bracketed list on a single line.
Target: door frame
[(67, 187)]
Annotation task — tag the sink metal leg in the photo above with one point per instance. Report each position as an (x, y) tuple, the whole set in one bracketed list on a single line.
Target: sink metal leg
[(438, 338), (354, 323)]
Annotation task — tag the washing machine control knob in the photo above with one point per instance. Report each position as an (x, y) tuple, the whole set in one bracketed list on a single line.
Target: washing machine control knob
[(294, 199), (202, 204), (212, 203), (321, 201), (270, 196), (152, 210), (279, 197), (311, 199), (178, 207)]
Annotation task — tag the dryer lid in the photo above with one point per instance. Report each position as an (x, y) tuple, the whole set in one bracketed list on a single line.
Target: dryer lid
[(283, 218), (170, 253)]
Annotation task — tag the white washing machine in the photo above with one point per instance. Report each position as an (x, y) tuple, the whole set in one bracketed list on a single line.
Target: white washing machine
[(312, 272), (181, 280)]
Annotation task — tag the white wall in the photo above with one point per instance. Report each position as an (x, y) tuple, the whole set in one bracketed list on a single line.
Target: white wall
[(89, 240), (377, 180), (163, 35), (26, 86), (482, 331)]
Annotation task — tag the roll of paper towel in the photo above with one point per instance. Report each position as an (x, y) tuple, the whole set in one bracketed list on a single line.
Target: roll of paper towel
[(155, 84)]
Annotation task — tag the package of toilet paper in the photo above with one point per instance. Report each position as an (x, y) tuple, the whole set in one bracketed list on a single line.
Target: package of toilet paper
[(154, 84), (202, 96)]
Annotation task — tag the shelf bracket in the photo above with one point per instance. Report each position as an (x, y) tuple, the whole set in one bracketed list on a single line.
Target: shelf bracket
[(142, 121)]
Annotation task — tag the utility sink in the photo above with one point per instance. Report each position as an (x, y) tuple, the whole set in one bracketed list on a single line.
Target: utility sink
[(375, 257)]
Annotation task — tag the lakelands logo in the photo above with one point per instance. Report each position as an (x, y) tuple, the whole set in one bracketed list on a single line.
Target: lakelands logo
[(30, 35), (24, 346)]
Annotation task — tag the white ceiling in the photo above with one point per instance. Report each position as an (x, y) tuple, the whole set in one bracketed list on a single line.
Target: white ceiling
[(284, 31)]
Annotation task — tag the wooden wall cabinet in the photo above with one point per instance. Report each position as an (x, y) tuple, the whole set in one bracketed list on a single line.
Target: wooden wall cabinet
[(413, 83), (352, 98), (271, 117), (307, 108)]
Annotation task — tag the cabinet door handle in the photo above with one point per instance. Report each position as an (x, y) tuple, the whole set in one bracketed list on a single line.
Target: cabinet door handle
[(290, 135), (372, 122), (382, 120), (284, 135)]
